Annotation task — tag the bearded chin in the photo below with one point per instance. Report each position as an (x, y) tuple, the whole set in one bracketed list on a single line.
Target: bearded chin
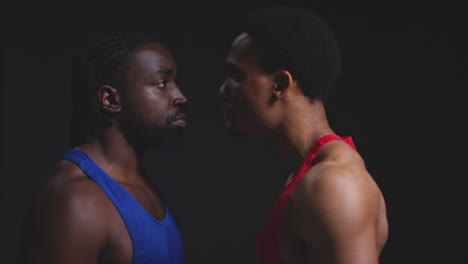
[(169, 139), (146, 135)]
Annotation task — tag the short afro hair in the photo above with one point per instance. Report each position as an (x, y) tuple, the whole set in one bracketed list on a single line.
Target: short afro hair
[(294, 39)]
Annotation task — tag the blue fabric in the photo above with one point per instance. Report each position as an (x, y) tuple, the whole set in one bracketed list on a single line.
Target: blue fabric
[(153, 241)]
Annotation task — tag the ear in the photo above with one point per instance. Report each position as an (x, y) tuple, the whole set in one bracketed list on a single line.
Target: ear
[(283, 81), (109, 98)]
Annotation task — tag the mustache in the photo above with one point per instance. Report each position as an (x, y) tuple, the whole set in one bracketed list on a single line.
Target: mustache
[(180, 113)]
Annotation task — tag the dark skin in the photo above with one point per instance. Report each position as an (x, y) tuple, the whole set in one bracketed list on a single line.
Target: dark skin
[(336, 214), (75, 221)]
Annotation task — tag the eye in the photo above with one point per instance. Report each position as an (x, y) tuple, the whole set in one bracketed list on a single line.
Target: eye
[(235, 76), (162, 85)]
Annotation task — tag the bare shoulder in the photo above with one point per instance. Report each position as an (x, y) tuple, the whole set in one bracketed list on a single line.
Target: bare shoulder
[(338, 209), (68, 183), (338, 188), (72, 197), (70, 214)]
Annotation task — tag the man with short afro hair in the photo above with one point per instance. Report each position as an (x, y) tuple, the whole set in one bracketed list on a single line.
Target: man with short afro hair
[(280, 69)]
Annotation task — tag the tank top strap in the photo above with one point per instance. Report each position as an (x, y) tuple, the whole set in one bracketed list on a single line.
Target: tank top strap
[(312, 154)]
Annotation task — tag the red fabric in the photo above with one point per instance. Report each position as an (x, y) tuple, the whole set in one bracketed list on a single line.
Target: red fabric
[(267, 240)]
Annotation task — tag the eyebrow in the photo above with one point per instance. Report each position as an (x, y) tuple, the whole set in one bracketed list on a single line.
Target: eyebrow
[(164, 71)]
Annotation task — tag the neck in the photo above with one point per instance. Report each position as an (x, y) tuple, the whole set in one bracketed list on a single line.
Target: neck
[(304, 123), (115, 155)]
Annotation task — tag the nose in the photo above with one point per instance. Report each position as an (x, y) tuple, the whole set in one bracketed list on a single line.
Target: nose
[(179, 99), (223, 91)]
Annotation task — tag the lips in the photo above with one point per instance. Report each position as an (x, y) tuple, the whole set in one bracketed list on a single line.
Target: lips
[(180, 123), (180, 120)]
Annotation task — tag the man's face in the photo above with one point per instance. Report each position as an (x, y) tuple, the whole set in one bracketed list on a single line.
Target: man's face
[(153, 107), (246, 90)]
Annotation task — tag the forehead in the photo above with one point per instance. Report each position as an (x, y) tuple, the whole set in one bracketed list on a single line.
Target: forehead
[(150, 57), (242, 53)]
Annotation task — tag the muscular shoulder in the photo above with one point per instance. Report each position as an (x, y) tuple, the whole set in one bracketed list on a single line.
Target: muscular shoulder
[(70, 218), (71, 198), (68, 183), (330, 187), (337, 191), (337, 207)]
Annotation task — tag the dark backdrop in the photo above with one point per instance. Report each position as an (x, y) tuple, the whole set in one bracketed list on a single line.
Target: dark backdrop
[(398, 97)]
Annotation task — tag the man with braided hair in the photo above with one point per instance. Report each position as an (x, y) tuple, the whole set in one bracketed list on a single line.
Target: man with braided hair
[(279, 71), (98, 206)]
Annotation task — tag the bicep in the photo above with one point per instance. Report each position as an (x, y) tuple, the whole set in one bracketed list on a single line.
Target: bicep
[(70, 229), (337, 222)]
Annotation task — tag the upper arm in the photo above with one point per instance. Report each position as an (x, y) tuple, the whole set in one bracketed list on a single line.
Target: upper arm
[(337, 218), (70, 223)]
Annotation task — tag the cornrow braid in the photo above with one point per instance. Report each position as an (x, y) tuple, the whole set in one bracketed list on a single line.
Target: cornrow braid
[(102, 61)]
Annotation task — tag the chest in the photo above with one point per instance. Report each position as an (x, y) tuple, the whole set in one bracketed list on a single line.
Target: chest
[(147, 197), (136, 228)]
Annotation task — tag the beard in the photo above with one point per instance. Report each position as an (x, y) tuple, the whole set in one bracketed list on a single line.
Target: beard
[(144, 134)]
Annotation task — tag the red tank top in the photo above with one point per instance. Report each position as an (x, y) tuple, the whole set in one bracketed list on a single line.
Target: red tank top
[(267, 240)]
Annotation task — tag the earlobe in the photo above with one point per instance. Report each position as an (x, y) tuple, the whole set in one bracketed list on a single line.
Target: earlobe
[(109, 98)]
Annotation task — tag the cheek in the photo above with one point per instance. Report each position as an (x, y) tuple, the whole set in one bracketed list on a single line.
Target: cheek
[(246, 110), (255, 97), (241, 100), (154, 107)]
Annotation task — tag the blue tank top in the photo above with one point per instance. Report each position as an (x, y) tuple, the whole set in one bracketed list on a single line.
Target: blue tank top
[(153, 241)]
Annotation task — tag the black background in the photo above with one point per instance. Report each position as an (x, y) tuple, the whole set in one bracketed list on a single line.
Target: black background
[(399, 97)]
